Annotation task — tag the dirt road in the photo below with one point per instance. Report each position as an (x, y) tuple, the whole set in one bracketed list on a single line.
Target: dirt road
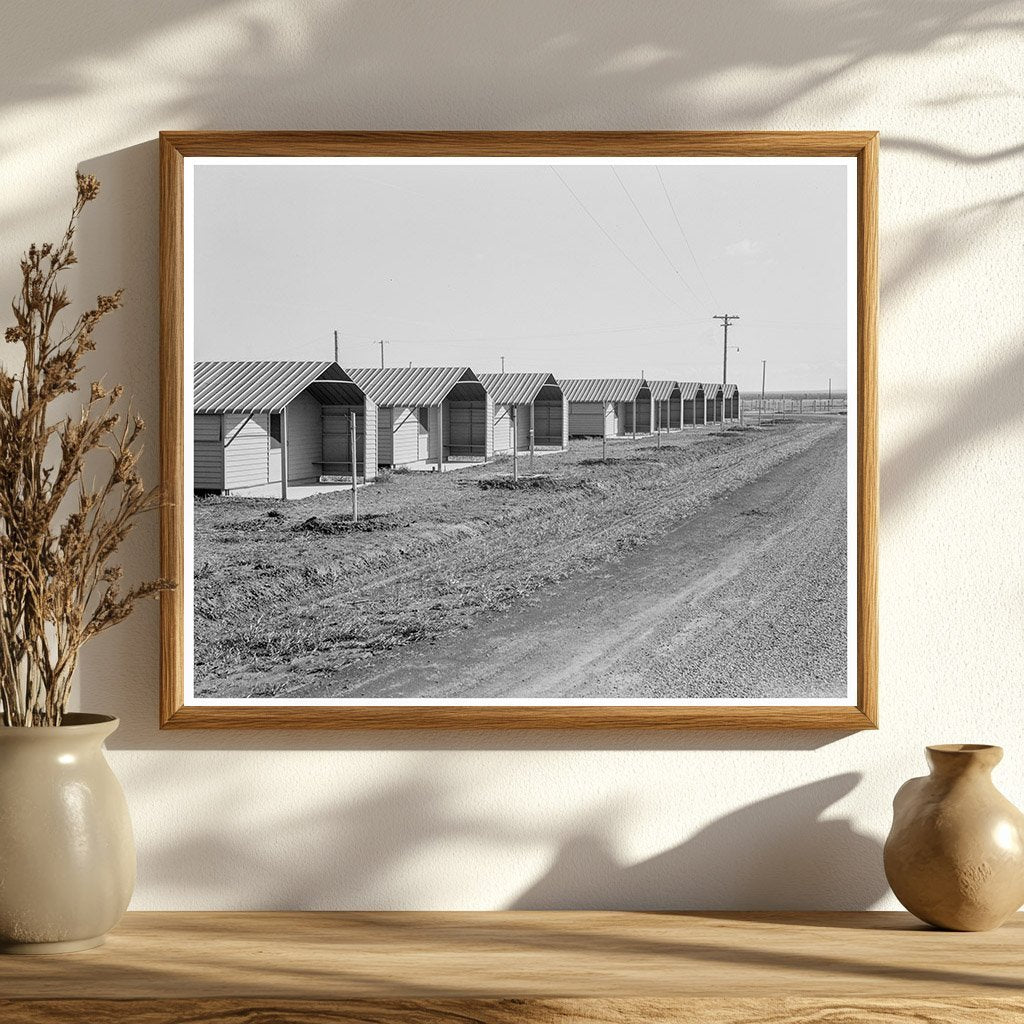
[(745, 598)]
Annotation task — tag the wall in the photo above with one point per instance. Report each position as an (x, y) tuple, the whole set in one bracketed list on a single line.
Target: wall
[(305, 439), (477, 821)]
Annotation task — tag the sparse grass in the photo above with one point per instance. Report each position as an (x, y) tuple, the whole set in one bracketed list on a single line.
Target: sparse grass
[(529, 483), (332, 525)]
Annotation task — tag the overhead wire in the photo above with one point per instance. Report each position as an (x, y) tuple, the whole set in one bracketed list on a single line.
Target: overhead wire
[(583, 206), (654, 237), (679, 224)]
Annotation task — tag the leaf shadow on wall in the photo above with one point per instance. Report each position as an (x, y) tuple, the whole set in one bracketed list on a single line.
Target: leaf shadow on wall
[(777, 853), (781, 852), (534, 64)]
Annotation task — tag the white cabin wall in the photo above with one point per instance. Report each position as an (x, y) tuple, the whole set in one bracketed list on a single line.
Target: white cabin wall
[(246, 450), (305, 438), (404, 435), (208, 453), (489, 427), (385, 435), (371, 413), (502, 428)]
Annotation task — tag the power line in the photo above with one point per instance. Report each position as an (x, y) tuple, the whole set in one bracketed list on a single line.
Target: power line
[(625, 255), (654, 237), (679, 224), (800, 323), (476, 339)]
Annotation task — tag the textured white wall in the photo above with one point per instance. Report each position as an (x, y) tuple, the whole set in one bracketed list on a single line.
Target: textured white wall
[(481, 821)]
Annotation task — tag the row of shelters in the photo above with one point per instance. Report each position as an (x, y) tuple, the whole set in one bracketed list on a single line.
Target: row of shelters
[(262, 426)]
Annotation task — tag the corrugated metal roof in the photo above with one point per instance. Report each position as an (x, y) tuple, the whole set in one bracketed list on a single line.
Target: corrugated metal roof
[(515, 388), (712, 390), (602, 390), (412, 385), (661, 390), (250, 385), (730, 390), (690, 388)]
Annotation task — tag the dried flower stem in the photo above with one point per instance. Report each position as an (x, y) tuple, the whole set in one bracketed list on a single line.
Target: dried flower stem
[(58, 588)]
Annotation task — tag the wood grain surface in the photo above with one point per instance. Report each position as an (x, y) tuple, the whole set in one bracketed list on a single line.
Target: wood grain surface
[(524, 966), (516, 1011), (176, 146)]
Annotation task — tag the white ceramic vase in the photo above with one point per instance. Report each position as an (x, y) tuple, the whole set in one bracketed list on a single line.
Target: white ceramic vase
[(67, 855)]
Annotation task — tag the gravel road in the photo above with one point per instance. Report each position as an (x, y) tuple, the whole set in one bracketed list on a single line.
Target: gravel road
[(744, 598)]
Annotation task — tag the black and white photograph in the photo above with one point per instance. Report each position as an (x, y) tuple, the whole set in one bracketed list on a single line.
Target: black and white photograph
[(549, 431)]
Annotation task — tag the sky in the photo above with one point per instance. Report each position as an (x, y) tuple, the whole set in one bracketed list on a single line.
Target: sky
[(581, 270)]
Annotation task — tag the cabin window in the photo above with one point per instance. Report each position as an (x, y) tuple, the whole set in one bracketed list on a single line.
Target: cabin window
[(275, 430)]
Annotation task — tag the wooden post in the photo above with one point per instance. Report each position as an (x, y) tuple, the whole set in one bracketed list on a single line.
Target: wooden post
[(604, 445), (659, 422), (440, 436), (532, 445), (354, 456), (515, 446), (634, 419), (284, 453)]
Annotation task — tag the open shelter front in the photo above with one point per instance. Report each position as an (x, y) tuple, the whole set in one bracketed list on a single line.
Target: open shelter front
[(668, 413), (693, 403), (713, 400), (260, 427), (429, 416), (608, 407), (530, 411), (731, 401)]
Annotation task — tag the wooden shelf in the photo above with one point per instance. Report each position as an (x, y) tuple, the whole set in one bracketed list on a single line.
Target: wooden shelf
[(500, 968)]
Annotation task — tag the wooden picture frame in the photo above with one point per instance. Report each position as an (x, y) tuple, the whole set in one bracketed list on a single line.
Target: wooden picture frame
[(177, 147)]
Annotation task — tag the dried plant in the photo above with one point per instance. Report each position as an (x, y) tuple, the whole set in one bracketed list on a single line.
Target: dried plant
[(58, 586)]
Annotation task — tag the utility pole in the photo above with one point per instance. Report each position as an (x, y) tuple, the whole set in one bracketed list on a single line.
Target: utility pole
[(337, 356), (761, 406), (382, 344), (726, 319), (503, 366), (830, 394)]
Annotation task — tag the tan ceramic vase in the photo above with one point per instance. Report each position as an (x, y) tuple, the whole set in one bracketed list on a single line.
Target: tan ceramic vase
[(67, 857), (955, 855)]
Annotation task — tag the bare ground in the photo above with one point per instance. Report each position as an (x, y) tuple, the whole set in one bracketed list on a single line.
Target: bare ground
[(561, 581)]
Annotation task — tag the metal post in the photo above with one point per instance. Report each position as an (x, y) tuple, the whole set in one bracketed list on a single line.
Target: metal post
[(336, 351), (284, 453), (764, 364), (659, 424), (354, 456), (604, 445), (634, 419)]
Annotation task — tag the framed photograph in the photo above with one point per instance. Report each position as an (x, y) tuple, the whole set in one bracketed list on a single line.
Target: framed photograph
[(519, 430)]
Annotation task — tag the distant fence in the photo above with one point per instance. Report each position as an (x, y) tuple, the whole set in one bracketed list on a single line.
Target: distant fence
[(793, 405)]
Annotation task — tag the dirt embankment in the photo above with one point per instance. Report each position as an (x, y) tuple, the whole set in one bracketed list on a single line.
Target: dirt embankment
[(292, 597)]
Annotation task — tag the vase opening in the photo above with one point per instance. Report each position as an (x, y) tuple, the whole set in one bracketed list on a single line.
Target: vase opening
[(959, 757)]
